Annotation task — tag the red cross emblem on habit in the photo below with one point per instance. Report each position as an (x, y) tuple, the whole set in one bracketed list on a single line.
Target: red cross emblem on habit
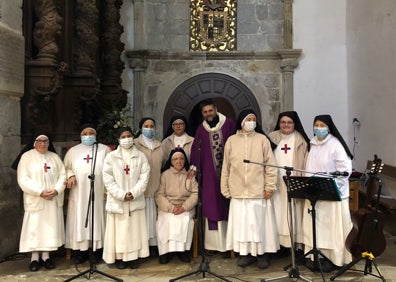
[(88, 158), (126, 169), (285, 148), (46, 167)]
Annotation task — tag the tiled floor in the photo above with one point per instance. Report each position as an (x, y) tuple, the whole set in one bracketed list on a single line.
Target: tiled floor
[(151, 270)]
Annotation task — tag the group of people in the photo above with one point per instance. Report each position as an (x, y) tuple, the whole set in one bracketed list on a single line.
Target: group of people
[(146, 191)]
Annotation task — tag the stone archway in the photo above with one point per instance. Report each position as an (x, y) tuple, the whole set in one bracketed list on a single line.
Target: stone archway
[(230, 95)]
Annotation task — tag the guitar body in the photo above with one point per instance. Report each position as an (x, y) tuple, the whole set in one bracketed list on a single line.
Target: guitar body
[(367, 234)]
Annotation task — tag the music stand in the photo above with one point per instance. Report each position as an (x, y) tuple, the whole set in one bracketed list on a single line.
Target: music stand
[(294, 272), (314, 188), (91, 206), (204, 265)]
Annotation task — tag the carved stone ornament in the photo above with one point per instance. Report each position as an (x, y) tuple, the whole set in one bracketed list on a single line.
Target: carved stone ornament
[(47, 27)]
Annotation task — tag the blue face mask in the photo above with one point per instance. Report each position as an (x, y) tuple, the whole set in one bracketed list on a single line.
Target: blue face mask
[(148, 132), (321, 132), (88, 140)]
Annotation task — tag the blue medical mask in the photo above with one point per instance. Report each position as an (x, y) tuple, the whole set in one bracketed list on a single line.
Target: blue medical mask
[(88, 140), (148, 132), (321, 132)]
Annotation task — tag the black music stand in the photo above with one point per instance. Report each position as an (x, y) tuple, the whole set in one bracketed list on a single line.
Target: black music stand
[(91, 206), (313, 189), (294, 272)]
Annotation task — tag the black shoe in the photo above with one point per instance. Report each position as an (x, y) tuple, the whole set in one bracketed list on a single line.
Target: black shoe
[(34, 266), (80, 257), (120, 264), (263, 261), (48, 263), (153, 251), (164, 259), (133, 264), (97, 256), (281, 253), (211, 253), (184, 256), (244, 261), (226, 254), (298, 254), (300, 257)]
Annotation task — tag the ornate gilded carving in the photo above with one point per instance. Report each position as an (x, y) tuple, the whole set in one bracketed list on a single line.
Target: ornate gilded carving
[(213, 25)]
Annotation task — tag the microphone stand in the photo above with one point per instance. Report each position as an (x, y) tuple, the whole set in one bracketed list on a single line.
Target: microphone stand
[(294, 272), (204, 266), (91, 206)]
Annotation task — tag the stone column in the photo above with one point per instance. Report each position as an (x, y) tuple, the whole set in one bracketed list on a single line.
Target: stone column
[(44, 73), (139, 25), (139, 66), (112, 47), (288, 24), (86, 39), (289, 61), (12, 59)]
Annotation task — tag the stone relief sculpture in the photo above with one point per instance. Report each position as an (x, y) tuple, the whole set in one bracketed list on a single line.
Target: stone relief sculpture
[(46, 29)]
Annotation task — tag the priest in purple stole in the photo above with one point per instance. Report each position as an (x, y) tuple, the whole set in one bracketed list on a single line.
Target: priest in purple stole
[(207, 155)]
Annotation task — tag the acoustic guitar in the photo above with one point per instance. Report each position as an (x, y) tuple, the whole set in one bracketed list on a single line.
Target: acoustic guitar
[(368, 223)]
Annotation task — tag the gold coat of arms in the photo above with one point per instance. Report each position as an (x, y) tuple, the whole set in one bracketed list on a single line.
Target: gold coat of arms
[(213, 25)]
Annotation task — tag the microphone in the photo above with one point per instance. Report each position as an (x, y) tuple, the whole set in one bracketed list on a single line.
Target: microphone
[(339, 173), (246, 161)]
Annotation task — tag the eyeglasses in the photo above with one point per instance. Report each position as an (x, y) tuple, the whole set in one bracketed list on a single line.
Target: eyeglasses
[(286, 122), (42, 141), (178, 124)]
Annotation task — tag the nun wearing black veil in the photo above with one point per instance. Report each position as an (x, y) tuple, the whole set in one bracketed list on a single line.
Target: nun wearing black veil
[(42, 177), (329, 153), (291, 151), (177, 136)]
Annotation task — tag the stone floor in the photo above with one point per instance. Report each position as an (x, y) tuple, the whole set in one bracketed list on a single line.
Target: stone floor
[(151, 270), (16, 269)]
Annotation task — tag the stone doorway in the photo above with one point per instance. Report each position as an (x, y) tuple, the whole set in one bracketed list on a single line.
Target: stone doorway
[(230, 95)]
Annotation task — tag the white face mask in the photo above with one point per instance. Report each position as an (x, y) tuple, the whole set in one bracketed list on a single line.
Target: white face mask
[(249, 125), (126, 143)]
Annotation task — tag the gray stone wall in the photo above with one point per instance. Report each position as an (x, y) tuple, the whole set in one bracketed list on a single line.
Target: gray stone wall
[(262, 62), (162, 77), (166, 25), (11, 90)]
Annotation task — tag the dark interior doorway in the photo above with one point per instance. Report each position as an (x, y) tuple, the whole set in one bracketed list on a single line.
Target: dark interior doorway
[(230, 95)]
